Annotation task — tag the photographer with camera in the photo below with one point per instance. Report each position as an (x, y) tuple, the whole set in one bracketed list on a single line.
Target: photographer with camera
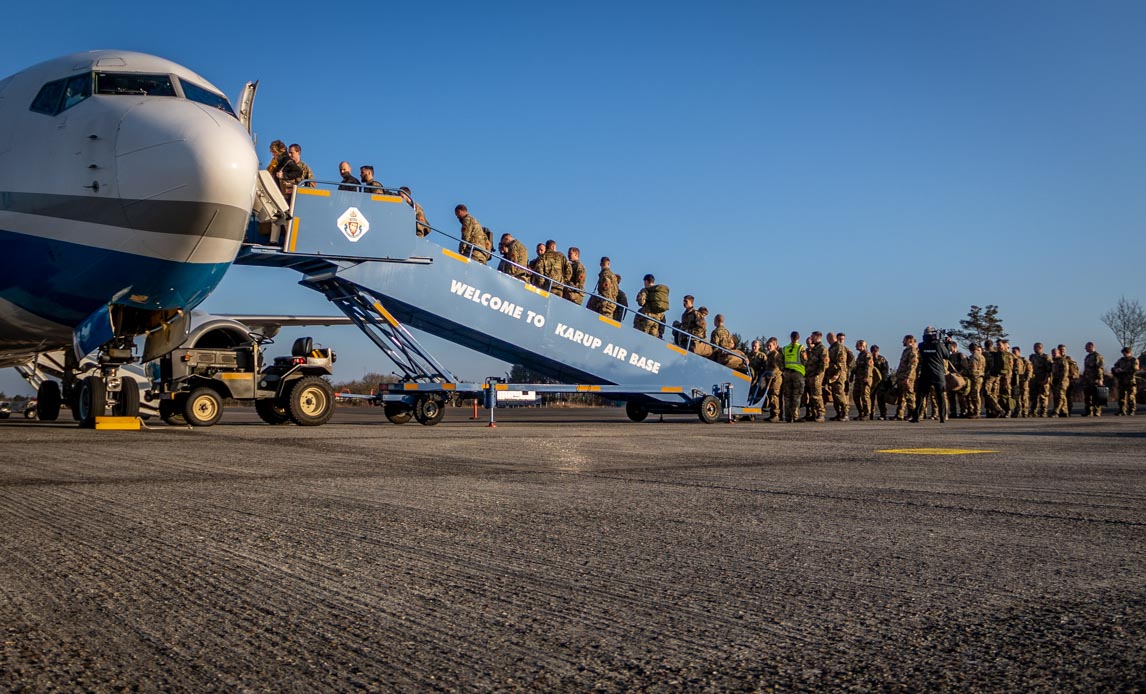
[(932, 374)]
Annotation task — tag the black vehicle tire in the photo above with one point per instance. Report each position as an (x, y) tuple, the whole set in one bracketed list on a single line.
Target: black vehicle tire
[(397, 412), (30, 412), (171, 410), (48, 401), (202, 408), (127, 404), (636, 411), (74, 401), (429, 410), (709, 410), (311, 401), (92, 400), (271, 412)]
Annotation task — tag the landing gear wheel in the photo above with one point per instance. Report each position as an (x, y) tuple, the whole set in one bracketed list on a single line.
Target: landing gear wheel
[(127, 404), (636, 411), (397, 412), (429, 410), (709, 410), (74, 401), (271, 412), (311, 401), (203, 407), (48, 401), (92, 401), (171, 411)]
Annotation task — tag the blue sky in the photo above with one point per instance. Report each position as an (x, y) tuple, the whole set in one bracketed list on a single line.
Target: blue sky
[(872, 167)]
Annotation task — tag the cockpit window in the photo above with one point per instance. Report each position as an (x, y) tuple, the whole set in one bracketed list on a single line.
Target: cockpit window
[(196, 93), (135, 84), (77, 89), (48, 99)]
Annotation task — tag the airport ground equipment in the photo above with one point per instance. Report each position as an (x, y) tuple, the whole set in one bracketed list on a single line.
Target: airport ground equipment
[(360, 250), (191, 383), (122, 401)]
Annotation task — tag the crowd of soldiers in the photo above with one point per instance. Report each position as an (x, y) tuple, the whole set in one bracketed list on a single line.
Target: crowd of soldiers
[(995, 380)]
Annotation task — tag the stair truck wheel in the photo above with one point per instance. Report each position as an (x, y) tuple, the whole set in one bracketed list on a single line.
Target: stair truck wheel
[(48, 401), (397, 412), (127, 404), (311, 401), (709, 410), (429, 410), (271, 412), (203, 407), (636, 411), (92, 400)]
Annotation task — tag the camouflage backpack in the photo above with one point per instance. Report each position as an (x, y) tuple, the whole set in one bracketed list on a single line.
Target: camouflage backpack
[(657, 299)]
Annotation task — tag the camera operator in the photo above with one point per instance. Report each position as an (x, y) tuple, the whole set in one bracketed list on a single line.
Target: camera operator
[(932, 374)]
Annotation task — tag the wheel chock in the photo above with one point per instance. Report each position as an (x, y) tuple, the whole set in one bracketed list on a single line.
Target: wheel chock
[(118, 423)]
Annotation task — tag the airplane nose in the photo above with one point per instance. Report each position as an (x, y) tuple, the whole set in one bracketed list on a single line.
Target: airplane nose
[(184, 170)]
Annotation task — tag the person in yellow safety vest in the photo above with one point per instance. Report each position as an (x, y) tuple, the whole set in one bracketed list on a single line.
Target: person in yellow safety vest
[(795, 355)]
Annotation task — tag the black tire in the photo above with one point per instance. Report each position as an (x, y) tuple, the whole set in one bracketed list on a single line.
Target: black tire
[(636, 411), (171, 410), (127, 404), (311, 401), (48, 401), (92, 400), (429, 410), (202, 408), (271, 412), (29, 413), (74, 401), (709, 410), (398, 412)]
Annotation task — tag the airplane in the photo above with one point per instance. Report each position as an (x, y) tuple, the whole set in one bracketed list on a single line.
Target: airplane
[(126, 185)]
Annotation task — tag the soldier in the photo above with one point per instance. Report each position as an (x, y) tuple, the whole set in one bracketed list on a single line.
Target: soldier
[(514, 258), (605, 291), (349, 182), (905, 378), (759, 363), (698, 344), (794, 357), (837, 375), (1041, 390), (814, 369), (574, 277), (1020, 383), (294, 172), (727, 354), (881, 381), (956, 402), (475, 244), (622, 302), (654, 301), (554, 268), (1092, 378), (537, 277), (991, 379), (369, 185), (776, 384), (862, 373), (1072, 375), (1060, 381), (1125, 370), (685, 328), (421, 226), (1006, 371), (976, 368)]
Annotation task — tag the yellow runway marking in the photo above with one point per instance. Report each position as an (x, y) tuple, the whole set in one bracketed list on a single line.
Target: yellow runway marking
[(936, 451)]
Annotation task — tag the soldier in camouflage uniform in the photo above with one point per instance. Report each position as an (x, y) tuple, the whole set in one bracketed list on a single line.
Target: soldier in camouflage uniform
[(685, 328), (1006, 371), (475, 244), (1093, 373), (653, 300), (814, 370), (905, 378), (1125, 370), (956, 360), (837, 376), (974, 370), (622, 302), (605, 291), (514, 258), (1060, 381), (881, 382), (536, 276), (1021, 383), (554, 266), (776, 385), (421, 226), (727, 354), (862, 372), (699, 342), (1041, 389), (574, 277), (991, 379), (758, 363)]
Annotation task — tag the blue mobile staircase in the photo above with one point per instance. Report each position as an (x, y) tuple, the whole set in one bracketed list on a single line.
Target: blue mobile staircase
[(360, 250)]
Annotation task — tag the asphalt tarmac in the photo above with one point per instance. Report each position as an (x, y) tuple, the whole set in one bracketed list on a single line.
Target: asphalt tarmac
[(574, 550)]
